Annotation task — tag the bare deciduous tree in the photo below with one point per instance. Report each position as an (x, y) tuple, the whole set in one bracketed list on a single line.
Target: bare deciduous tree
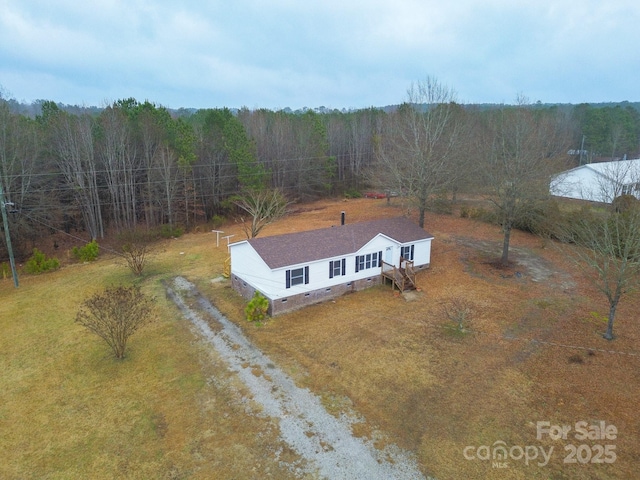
[(73, 144), (416, 155), (263, 207), (116, 314), (121, 164), (608, 250), (522, 147), (615, 179)]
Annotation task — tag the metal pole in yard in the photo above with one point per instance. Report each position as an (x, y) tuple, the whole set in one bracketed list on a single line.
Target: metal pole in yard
[(7, 236)]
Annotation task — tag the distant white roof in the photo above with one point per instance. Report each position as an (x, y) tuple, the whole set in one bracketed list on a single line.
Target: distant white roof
[(598, 182), (622, 171)]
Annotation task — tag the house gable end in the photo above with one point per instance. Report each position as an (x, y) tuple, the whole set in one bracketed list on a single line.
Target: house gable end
[(379, 241)]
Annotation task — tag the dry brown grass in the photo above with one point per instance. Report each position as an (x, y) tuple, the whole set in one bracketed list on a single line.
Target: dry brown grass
[(435, 392), (170, 409), (70, 409)]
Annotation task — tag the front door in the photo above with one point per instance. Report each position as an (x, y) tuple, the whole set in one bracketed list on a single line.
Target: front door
[(388, 255)]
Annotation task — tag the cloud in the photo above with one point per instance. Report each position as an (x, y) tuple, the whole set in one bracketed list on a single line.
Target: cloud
[(281, 53)]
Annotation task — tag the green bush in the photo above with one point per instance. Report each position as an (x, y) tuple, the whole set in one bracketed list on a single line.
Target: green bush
[(575, 224), (5, 268), (217, 221), (167, 231), (441, 205), (352, 193), (88, 253), (256, 310), (541, 218), (478, 213), (625, 203), (39, 263)]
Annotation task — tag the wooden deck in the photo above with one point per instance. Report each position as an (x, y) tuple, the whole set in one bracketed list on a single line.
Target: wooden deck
[(403, 277)]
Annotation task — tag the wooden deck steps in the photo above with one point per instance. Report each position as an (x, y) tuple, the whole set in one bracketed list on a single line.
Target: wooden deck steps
[(403, 277)]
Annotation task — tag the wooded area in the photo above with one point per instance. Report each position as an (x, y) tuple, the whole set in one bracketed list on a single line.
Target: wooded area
[(138, 165)]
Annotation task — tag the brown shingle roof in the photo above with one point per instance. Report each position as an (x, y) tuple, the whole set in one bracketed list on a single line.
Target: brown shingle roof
[(295, 248)]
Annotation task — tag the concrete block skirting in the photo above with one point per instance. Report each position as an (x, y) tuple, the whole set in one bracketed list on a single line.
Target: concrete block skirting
[(294, 302)]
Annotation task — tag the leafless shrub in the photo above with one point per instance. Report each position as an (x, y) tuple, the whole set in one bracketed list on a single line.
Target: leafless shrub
[(135, 250), (576, 359), (116, 314), (136, 255), (459, 310)]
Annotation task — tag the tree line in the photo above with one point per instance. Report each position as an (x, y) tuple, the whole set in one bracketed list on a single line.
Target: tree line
[(136, 165)]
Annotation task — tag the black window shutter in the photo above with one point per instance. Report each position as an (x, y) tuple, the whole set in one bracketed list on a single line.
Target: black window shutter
[(357, 269), (380, 259), (330, 269), (288, 278), (306, 275), (344, 266), (412, 252)]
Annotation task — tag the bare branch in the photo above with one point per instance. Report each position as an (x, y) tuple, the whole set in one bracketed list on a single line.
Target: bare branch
[(607, 248), (417, 155), (263, 207), (116, 314)]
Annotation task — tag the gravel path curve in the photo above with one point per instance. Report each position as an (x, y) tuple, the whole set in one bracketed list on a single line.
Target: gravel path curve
[(324, 441)]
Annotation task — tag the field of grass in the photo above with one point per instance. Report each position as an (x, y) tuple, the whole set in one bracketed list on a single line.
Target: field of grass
[(171, 410), (69, 409)]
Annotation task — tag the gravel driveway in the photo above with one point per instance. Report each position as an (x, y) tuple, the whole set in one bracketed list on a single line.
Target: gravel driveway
[(324, 441)]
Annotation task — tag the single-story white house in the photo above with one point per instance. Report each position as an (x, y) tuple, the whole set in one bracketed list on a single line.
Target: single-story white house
[(298, 269), (598, 182)]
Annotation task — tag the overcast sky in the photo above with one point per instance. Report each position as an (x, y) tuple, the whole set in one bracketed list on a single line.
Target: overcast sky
[(310, 53)]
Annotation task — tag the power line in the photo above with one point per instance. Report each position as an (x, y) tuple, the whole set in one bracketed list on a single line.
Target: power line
[(3, 209), (263, 163), (141, 183), (70, 235)]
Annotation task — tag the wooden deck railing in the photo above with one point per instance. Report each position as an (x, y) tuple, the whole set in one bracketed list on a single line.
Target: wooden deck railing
[(404, 277)]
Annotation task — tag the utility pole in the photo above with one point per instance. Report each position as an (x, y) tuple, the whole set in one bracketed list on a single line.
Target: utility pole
[(7, 237)]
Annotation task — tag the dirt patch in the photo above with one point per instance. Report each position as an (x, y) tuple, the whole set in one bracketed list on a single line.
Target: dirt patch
[(524, 264), (412, 295)]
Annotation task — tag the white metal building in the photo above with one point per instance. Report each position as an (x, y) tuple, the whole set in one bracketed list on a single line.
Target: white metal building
[(598, 182)]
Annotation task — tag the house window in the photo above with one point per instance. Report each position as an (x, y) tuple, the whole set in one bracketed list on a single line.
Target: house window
[(407, 252), (297, 276), (337, 268), (370, 260)]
